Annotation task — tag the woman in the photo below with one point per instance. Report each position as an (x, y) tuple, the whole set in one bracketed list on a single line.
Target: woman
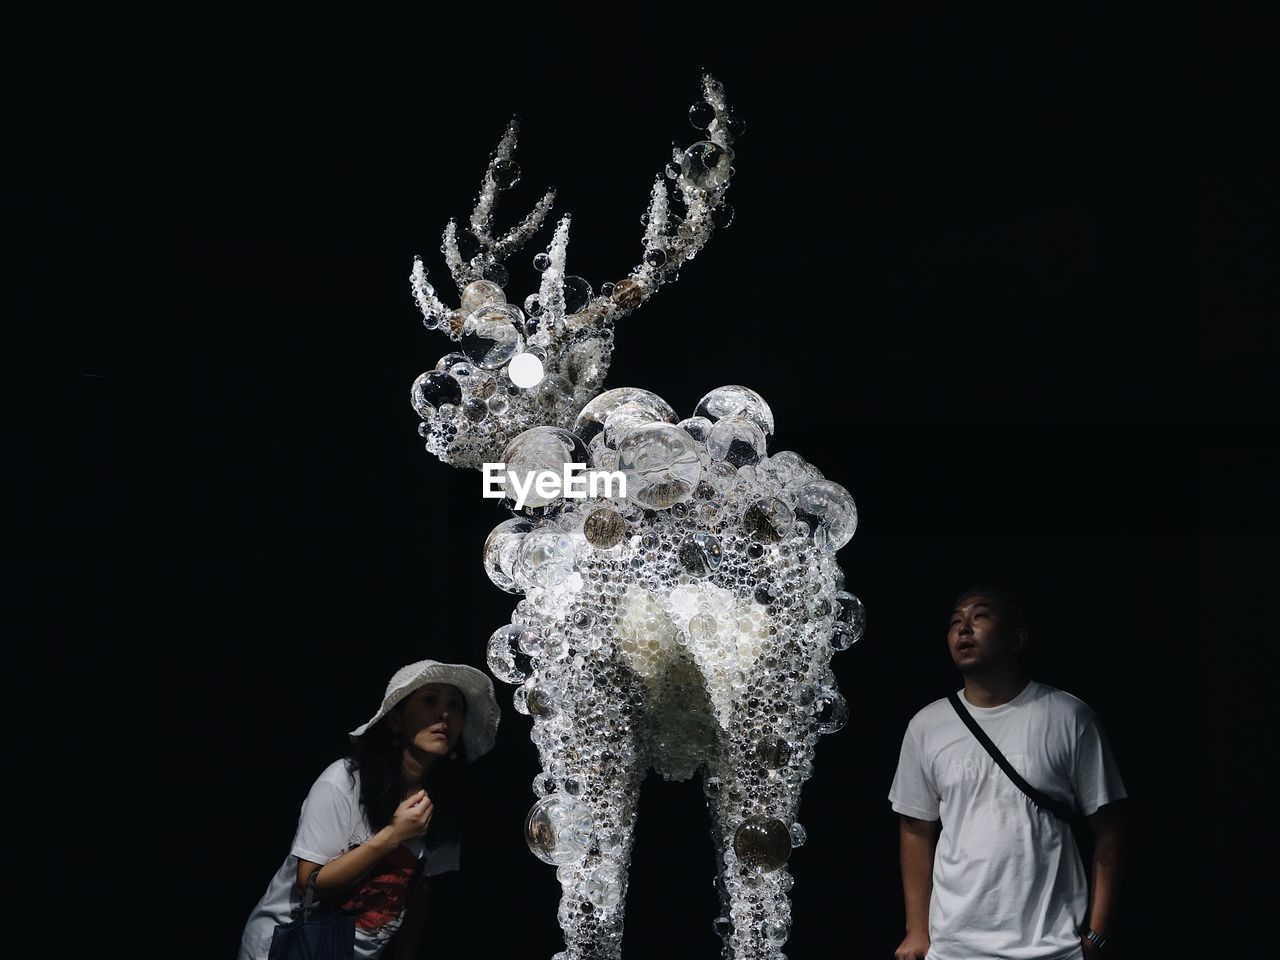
[(385, 818)]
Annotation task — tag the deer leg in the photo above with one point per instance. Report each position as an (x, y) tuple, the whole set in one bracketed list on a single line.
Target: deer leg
[(753, 793), (588, 753)]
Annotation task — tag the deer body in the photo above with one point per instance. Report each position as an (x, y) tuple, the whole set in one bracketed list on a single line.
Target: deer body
[(687, 626)]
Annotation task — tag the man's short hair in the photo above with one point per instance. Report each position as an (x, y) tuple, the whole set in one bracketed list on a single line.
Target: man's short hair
[(1003, 591)]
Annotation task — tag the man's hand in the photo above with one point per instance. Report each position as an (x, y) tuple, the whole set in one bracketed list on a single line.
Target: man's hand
[(914, 946), (412, 817), (1091, 952)]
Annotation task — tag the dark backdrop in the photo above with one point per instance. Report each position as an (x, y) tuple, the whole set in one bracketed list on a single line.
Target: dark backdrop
[(1009, 280)]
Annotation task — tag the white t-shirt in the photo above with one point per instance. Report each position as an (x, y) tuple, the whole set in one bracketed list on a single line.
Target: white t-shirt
[(331, 823), (1007, 878)]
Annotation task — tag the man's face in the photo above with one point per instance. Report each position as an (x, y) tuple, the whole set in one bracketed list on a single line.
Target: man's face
[(981, 636)]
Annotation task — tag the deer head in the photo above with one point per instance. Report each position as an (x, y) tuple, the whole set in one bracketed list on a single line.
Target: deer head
[(540, 362)]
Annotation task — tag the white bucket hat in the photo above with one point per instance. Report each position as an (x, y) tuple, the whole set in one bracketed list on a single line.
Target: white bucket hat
[(480, 727)]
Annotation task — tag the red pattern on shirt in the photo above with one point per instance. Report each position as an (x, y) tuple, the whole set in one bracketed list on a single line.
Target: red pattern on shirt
[(381, 897)]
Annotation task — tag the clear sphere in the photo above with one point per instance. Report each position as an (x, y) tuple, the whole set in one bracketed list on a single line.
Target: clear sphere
[(830, 512), (661, 465), (501, 549), (491, 335), (506, 660), (736, 440), (545, 557), (762, 843), (706, 165), (736, 401), (481, 293), (558, 829), (617, 411)]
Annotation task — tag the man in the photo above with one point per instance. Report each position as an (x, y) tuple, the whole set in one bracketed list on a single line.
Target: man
[(986, 872)]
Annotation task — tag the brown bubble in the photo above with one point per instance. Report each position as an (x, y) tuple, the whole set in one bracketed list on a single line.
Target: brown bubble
[(604, 528), (768, 520), (627, 293), (540, 703), (762, 843), (773, 752)]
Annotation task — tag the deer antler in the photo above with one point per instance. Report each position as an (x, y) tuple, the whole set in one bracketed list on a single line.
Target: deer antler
[(470, 404), (702, 174), (501, 174)]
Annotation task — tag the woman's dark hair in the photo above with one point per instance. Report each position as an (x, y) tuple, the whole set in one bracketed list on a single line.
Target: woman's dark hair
[(376, 755)]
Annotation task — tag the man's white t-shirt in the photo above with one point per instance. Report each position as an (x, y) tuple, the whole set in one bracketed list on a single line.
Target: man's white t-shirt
[(1007, 878), (331, 823)]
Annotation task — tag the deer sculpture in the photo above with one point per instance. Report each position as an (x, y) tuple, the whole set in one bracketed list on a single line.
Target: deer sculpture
[(687, 626)]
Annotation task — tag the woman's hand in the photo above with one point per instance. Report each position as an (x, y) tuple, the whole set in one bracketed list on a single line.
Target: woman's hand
[(411, 818)]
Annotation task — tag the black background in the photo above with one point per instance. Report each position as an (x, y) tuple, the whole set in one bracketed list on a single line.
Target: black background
[(1008, 278)]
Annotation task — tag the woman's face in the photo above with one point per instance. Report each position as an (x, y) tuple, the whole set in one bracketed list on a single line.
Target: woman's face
[(431, 718)]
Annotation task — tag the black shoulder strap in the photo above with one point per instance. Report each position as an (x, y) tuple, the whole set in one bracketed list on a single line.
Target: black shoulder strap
[(310, 899), (1060, 810)]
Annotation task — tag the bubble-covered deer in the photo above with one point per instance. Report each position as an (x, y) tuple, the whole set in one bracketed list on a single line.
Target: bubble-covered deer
[(686, 626)]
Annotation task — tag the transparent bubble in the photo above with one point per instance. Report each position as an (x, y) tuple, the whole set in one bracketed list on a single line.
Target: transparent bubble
[(604, 887), (520, 699), (768, 520), (700, 554), (540, 703), (774, 931), (545, 557), (701, 114), (491, 335), (829, 510), (842, 636), (433, 390), (506, 660), (736, 440), (481, 293), (851, 613), (697, 427), (703, 627), (544, 784), (706, 164), (773, 752), (558, 829), (798, 835), (831, 711), (577, 293), (554, 397), (540, 450), (661, 465), (500, 551), (762, 843), (736, 401), (633, 407)]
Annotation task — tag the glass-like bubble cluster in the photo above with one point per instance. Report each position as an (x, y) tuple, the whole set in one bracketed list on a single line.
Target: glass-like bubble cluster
[(538, 360), (687, 627)]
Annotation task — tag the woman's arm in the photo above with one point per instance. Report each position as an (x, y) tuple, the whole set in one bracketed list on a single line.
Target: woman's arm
[(409, 939), (343, 872)]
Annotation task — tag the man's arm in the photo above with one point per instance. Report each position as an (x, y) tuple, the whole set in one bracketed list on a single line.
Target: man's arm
[(1109, 829), (917, 840)]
